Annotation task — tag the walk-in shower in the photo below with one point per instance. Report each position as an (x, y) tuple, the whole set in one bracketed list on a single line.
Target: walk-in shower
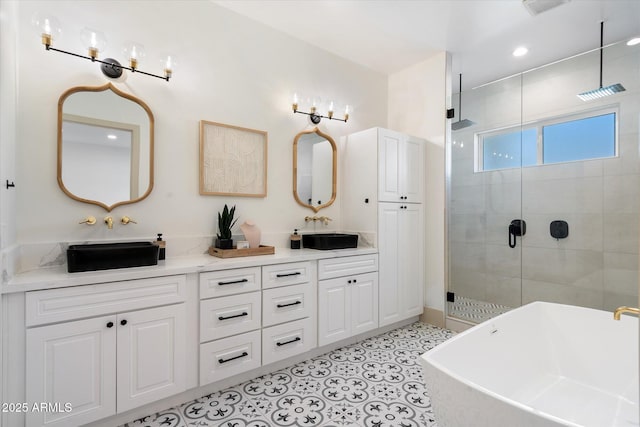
[(543, 190)]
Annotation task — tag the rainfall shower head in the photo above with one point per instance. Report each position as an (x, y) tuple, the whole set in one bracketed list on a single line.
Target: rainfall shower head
[(461, 124), (601, 91)]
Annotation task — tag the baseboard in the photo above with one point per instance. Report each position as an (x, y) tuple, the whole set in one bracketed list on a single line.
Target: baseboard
[(458, 325), (433, 317)]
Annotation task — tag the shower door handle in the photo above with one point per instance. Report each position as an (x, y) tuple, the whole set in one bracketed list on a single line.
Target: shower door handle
[(518, 227)]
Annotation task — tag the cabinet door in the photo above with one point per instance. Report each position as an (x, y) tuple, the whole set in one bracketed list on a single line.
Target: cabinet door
[(388, 254), (151, 355), (72, 363), (412, 167), (411, 261), (364, 302), (390, 169), (333, 311)]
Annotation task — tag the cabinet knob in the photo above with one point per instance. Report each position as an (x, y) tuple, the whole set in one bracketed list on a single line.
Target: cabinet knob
[(123, 322), (349, 281), (354, 280), (110, 325)]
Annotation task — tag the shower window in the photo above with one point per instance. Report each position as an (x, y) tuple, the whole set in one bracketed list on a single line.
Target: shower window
[(583, 136)]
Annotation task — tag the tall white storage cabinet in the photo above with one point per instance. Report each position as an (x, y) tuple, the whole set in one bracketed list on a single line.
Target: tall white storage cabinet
[(383, 192)]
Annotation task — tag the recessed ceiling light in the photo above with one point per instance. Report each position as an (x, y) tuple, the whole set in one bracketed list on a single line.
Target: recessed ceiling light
[(634, 41), (520, 51), (112, 136)]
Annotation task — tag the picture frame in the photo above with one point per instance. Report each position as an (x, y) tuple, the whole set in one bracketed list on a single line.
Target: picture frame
[(233, 160)]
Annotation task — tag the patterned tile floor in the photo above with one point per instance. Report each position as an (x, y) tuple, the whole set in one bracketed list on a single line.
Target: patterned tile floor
[(474, 310), (374, 383)]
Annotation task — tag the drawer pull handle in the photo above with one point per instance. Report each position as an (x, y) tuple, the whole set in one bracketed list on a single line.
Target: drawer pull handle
[(244, 313), (244, 353), (289, 305), (288, 342), (297, 273), (233, 282)]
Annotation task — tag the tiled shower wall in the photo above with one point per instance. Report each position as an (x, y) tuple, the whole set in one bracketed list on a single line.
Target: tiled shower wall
[(597, 265)]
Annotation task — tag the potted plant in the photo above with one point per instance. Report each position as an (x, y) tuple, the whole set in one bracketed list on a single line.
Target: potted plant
[(225, 224)]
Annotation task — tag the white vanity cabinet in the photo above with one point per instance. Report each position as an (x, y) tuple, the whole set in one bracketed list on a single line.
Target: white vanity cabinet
[(383, 193), (104, 349), (400, 167), (289, 310), (347, 297), (230, 322), (402, 272)]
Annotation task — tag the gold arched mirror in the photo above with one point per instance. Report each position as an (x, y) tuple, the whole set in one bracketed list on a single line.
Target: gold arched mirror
[(314, 169), (105, 146)]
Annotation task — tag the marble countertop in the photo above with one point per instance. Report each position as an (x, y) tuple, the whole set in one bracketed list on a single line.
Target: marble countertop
[(58, 277)]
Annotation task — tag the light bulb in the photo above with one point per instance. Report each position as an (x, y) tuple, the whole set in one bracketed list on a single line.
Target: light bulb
[(330, 112), (347, 110), (314, 104), (295, 102), (48, 27), (169, 64), (94, 40), (135, 52)]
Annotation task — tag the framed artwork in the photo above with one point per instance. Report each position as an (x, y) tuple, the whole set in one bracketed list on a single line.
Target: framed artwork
[(233, 160)]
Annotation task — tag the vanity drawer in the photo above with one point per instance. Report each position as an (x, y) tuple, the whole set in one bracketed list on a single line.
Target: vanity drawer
[(225, 316), (57, 305), (283, 341), (286, 303), (229, 282), (229, 356), (285, 274), (347, 266)]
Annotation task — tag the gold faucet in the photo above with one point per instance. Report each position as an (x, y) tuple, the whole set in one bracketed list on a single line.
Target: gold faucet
[(127, 220), (625, 309), (109, 221), (324, 219), (90, 220)]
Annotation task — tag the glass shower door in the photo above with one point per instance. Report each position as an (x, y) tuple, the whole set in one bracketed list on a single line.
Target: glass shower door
[(486, 229), (543, 189)]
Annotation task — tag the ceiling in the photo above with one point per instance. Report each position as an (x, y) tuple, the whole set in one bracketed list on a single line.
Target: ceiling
[(389, 35)]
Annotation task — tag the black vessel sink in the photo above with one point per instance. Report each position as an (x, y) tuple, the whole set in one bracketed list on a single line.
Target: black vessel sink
[(327, 241), (105, 256)]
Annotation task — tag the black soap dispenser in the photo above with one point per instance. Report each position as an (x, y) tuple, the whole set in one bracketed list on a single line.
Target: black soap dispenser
[(162, 247), (296, 239)]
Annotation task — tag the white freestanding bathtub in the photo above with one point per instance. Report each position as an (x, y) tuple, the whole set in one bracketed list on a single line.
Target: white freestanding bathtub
[(542, 364)]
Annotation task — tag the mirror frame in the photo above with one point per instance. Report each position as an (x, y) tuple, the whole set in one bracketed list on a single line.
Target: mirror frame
[(111, 87), (295, 168)]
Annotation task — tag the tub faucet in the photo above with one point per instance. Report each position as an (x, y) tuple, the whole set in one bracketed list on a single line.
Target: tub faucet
[(624, 309)]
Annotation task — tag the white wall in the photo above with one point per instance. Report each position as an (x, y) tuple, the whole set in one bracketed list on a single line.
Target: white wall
[(231, 70), (417, 104), (8, 109)]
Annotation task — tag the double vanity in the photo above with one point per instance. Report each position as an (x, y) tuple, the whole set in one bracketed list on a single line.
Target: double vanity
[(105, 345), (98, 344)]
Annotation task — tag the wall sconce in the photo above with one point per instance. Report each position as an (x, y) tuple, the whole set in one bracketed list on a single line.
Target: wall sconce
[(313, 114), (96, 41)]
